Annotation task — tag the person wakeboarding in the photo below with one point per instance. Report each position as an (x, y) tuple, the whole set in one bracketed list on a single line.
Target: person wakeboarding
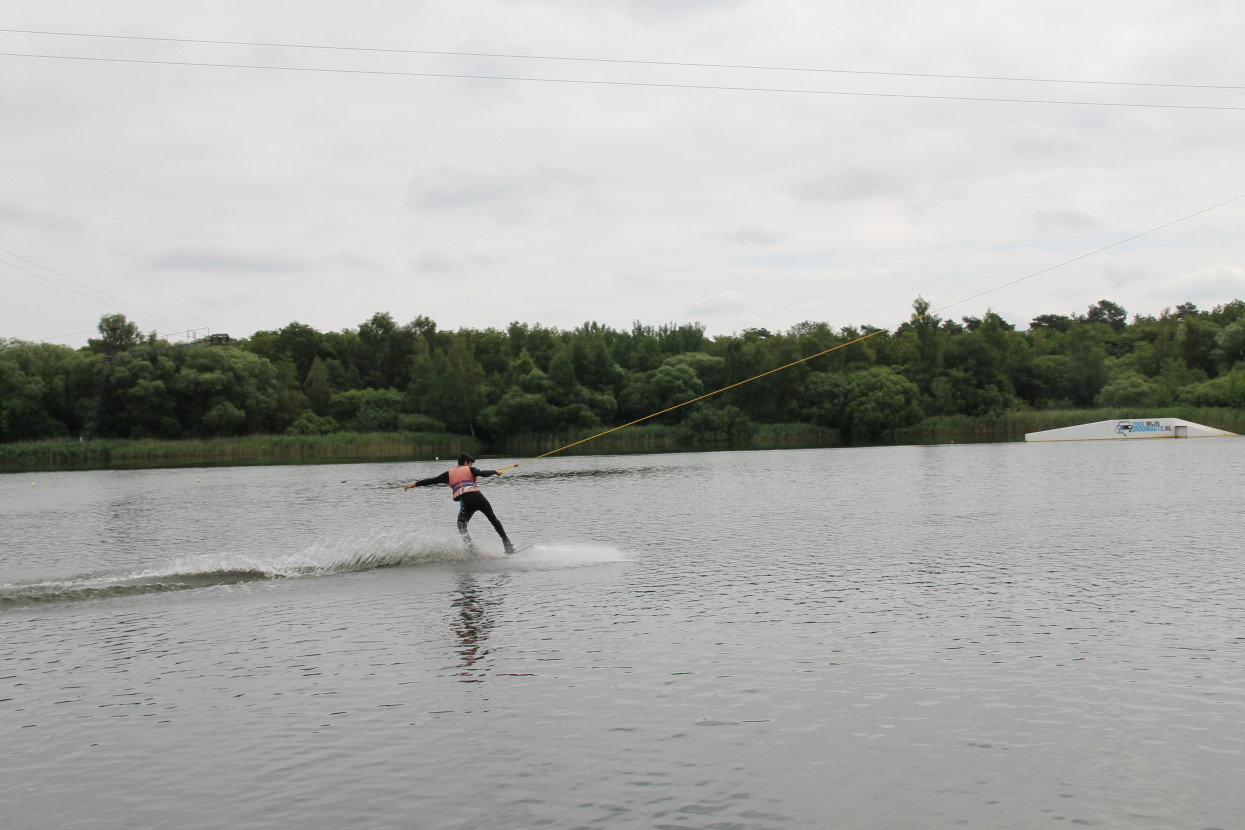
[(465, 491)]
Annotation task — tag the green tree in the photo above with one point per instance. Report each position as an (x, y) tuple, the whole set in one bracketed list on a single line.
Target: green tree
[(594, 366), (1226, 390), (343, 355), (222, 419), (491, 349), (1196, 340), (1088, 363), (317, 388), (379, 410), (415, 422), (519, 412), (710, 369), (116, 335), (958, 393), (1052, 382), (23, 416), (457, 392), (1129, 390), (825, 396), (539, 342), (772, 397), (367, 410), (562, 378), (647, 355), (208, 378), (44, 388), (1110, 313), (708, 424), (291, 402), (385, 350), (1172, 378), (300, 344), (1051, 322), (680, 339), (648, 393), (976, 379), (309, 423), (148, 408), (1229, 346), (927, 361), (297, 343), (877, 401)]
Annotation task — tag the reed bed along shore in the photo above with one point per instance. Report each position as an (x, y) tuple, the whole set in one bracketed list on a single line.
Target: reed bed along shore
[(249, 449), (68, 454), (665, 438)]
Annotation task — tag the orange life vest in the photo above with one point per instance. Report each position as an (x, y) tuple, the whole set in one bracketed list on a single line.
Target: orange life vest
[(462, 481)]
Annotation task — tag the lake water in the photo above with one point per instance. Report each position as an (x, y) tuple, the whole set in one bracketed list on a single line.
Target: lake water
[(986, 636)]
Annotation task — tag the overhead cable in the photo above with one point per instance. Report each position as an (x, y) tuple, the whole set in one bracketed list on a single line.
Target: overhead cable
[(622, 61), (150, 315), (645, 84)]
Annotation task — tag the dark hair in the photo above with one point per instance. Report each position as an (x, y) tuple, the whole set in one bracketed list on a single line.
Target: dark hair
[(465, 459)]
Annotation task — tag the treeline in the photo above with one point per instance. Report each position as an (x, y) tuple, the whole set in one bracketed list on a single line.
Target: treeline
[(530, 380)]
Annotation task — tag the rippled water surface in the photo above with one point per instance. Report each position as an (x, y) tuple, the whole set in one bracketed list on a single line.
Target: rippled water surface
[(990, 635)]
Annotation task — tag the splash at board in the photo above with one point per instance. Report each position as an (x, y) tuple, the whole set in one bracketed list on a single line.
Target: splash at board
[(557, 555), (518, 549)]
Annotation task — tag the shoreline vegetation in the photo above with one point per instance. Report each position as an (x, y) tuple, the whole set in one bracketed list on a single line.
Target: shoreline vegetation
[(346, 447), (385, 391)]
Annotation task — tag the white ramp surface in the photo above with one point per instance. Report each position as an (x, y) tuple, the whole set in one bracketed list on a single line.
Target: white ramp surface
[(1130, 429)]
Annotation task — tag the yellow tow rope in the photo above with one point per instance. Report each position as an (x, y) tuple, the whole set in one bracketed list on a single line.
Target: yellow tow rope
[(864, 337)]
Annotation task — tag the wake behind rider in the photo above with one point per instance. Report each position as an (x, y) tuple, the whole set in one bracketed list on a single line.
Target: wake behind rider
[(465, 491)]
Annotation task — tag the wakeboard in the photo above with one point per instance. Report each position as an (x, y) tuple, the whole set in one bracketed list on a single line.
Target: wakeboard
[(517, 549)]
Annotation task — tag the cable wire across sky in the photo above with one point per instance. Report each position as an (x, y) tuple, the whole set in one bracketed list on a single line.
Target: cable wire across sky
[(746, 168), (622, 61), (647, 84), (109, 300), (605, 82)]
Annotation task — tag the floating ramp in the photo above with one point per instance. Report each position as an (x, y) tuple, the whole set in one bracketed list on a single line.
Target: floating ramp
[(1129, 429)]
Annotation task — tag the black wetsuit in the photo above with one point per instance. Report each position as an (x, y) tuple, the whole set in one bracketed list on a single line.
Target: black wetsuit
[(470, 503)]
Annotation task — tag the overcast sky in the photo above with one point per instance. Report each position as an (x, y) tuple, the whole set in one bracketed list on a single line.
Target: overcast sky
[(238, 199)]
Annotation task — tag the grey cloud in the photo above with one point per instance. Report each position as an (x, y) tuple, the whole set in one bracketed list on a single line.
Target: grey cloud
[(664, 10), (639, 280), (13, 214), (444, 262), (348, 259), (721, 302), (755, 235), (1122, 273), (219, 259), (850, 184), (446, 189), (1216, 283), (1064, 221), (475, 187), (683, 8)]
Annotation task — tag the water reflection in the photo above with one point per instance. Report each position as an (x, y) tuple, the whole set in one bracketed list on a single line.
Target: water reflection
[(593, 473), (474, 605)]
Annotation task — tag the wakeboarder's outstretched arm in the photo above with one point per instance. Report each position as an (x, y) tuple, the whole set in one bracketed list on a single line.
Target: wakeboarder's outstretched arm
[(444, 478)]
